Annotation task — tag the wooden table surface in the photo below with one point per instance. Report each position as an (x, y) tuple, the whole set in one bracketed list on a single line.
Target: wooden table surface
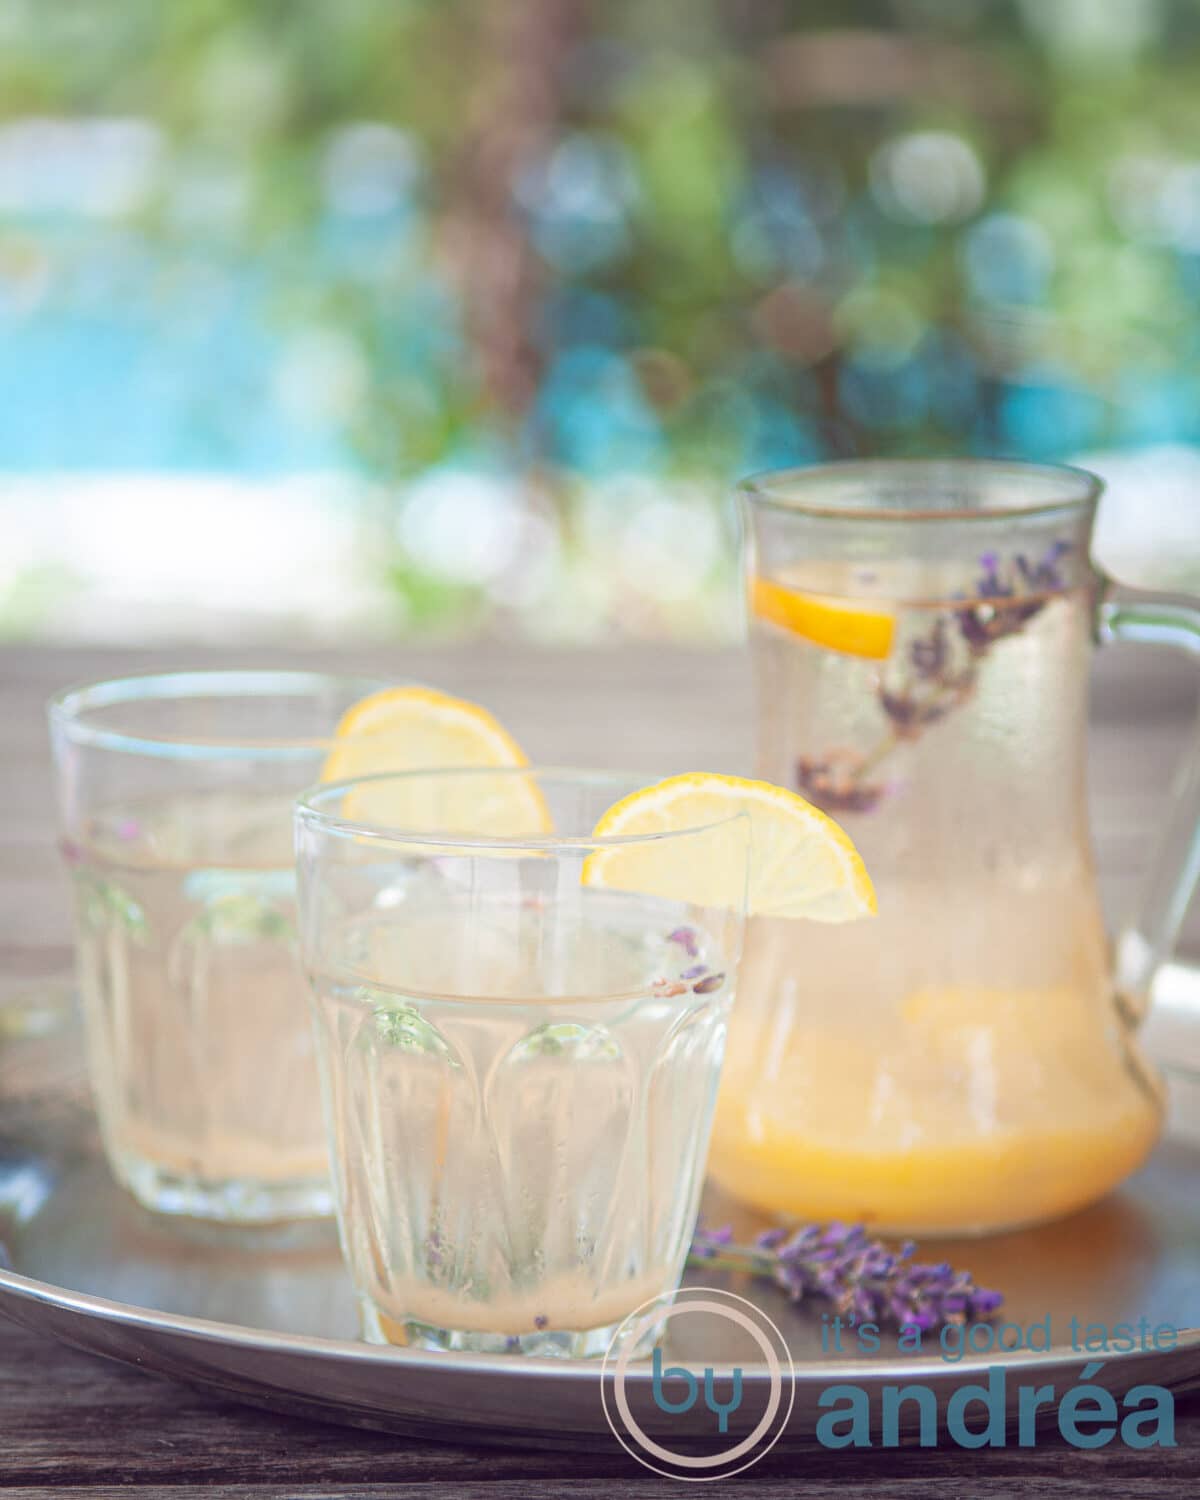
[(100, 1429)]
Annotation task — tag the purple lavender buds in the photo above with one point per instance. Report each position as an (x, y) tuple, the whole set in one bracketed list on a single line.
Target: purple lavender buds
[(686, 938), (697, 977), (929, 654), (1008, 603), (937, 672), (708, 1243), (860, 1277), (836, 783)]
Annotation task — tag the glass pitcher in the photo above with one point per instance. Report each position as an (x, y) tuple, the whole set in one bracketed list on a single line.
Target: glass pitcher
[(966, 1061)]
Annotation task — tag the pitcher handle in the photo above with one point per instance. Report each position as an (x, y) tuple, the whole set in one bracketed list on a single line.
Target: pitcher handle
[(1148, 938)]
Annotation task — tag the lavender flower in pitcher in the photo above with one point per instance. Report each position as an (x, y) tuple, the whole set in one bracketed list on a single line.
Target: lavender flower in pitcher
[(934, 680), (837, 781), (1009, 598), (934, 673)]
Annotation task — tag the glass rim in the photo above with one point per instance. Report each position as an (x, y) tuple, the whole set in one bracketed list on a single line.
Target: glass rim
[(67, 709), (1081, 489), (307, 812)]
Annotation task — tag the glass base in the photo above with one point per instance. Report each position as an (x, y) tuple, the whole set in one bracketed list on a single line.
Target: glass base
[(234, 1201), (555, 1343)]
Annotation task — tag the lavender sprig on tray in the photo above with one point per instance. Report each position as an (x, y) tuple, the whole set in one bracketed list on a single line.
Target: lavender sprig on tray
[(859, 1277)]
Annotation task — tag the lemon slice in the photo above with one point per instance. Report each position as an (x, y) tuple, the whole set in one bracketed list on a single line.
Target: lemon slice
[(418, 729), (801, 863), (834, 623)]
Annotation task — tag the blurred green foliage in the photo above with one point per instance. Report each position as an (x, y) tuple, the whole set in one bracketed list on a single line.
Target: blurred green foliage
[(563, 242)]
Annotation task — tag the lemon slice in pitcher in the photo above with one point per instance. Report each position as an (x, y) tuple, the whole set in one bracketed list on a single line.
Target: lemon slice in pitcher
[(837, 624), (801, 862), (419, 729)]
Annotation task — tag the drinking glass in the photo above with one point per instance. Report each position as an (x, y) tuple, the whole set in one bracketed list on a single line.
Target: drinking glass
[(921, 635), (518, 1066), (175, 796)]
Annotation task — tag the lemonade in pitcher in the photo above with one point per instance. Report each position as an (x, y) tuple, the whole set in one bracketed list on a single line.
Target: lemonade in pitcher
[(921, 637)]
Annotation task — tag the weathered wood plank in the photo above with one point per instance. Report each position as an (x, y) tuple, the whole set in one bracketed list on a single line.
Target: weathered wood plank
[(69, 1419)]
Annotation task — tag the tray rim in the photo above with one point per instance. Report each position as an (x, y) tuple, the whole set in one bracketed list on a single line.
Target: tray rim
[(16, 1287)]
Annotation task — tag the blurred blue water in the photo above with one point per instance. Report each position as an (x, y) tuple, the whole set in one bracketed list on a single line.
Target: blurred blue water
[(138, 357), (118, 371)]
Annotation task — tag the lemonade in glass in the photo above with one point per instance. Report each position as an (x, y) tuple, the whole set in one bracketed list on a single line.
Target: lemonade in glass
[(175, 795), (521, 983)]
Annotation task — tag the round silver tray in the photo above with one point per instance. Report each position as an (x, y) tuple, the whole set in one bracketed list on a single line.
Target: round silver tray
[(269, 1316)]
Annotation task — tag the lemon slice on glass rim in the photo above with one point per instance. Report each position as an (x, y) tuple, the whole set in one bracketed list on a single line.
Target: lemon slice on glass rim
[(422, 729), (802, 864)]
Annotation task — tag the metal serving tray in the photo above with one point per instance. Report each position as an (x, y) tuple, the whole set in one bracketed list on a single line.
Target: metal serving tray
[(268, 1316)]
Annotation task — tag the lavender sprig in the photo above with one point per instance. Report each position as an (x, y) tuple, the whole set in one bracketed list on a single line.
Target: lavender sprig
[(937, 673), (1007, 603), (860, 1277)]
